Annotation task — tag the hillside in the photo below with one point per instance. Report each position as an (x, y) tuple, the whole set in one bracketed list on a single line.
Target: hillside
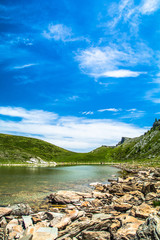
[(17, 149)]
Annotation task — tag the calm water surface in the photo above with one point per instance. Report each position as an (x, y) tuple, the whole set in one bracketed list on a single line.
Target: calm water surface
[(26, 184)]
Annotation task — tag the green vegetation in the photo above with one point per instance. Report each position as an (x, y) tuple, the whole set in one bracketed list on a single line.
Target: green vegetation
[(144, 149)]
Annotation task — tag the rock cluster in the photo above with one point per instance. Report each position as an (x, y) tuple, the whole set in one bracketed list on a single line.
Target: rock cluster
[(121, 210)]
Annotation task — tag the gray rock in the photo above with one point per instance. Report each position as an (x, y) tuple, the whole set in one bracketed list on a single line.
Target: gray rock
[(21, 209), (27, 221), (44, 233), (28, 237), (150, 229)]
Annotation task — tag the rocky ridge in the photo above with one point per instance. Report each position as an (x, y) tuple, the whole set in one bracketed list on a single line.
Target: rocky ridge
[(121, 210)]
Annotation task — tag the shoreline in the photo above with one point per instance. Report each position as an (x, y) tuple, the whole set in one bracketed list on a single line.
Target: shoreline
[(122, 209)]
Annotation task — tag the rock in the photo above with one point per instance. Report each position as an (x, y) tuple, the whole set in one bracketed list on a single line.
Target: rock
[(133, 198), (114, 226), (101, 195), (11, 224), (123, 207), (101, 235), (29, 237), (45, 233), (3, 222), (128, 229), (52, 215), (150, 229), (127, 188), (94, 184), (73, 214), (101, 216), (66, 220), (65, 197), (150, 196), (56, 219), (99, 188), (5, 211), (27, 221), (21, 209), (143, 211), (115, 188), (148, 187), (97, 203)]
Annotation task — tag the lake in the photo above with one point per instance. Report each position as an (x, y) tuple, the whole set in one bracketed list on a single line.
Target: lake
[(27, 184)]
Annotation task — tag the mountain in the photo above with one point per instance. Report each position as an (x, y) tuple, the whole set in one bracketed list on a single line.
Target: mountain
[(17, 149)]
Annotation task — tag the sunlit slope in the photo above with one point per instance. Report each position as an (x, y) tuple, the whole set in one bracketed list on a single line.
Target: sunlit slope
[(17, 149)]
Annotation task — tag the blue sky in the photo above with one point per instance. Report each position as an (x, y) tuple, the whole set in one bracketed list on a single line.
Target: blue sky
[(79, 74)]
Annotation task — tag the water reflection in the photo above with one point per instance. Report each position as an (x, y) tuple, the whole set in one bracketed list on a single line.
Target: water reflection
[(24, 184)]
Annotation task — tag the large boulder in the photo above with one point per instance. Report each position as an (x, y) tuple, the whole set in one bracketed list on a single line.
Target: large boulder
[(142, 211), (66, 197), (21, 209), (150, 229), (128, 229)]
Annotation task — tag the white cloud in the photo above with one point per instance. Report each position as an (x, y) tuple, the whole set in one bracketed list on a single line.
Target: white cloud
[(25, 66), (60, 32), (109, 110), (88, 113), (110, 61), (149, 6), (79, 134), (122, 73)]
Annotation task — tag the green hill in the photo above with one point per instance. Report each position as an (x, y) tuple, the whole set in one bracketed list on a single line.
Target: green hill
[(146, 148)]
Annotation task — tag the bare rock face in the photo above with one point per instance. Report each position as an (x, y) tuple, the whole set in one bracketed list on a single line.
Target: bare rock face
[(150, 229)]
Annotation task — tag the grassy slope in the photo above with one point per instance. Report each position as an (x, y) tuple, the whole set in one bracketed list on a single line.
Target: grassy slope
[(16, 149)]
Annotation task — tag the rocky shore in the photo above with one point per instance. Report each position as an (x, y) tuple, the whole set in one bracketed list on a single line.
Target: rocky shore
[(126, 209)]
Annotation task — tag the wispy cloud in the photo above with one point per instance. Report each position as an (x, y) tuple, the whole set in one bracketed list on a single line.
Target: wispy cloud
[(110, 61), (25, 66), (60, 32), (149, 6), (88, 113), (126, 12), (72, 133), (133, 113), (109, 110)]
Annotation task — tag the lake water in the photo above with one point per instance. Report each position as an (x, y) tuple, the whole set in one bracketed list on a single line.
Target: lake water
[(26, 184)]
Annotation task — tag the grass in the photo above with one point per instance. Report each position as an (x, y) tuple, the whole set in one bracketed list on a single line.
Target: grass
[(143, 150)]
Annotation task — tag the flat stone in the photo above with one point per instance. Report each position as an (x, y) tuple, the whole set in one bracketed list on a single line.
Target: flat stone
[(93, 235), (45, 233), (128, 229), (28, 237), (101, 216), (27, 221), (143, 211), (5, 211), (122, 207)]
